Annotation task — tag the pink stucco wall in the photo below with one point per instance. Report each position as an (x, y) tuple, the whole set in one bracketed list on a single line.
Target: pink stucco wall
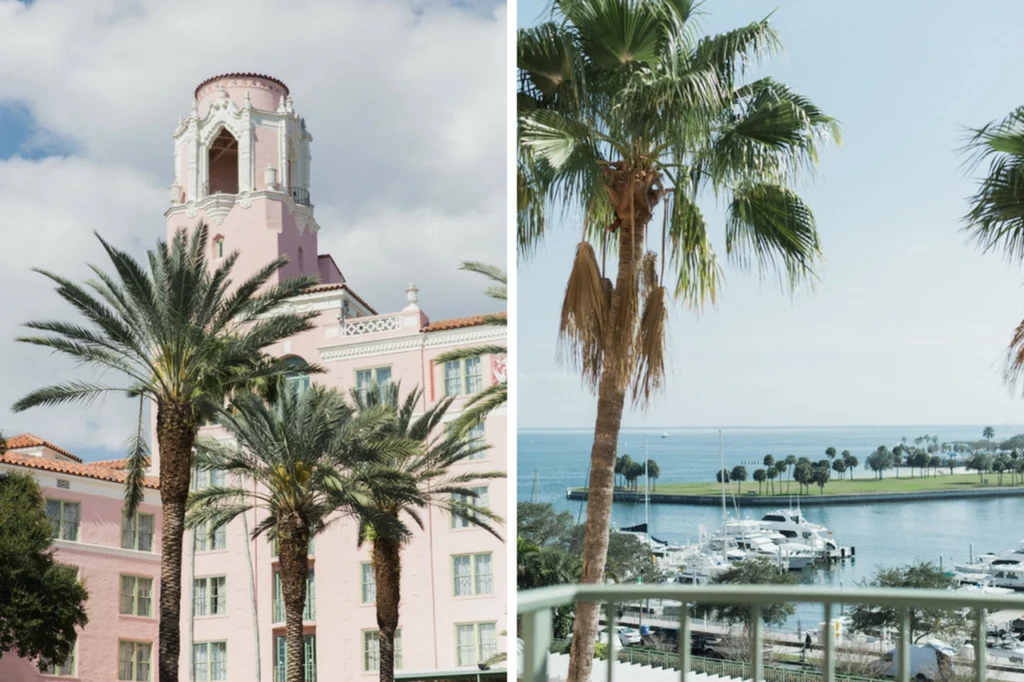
[(263, 93), (101, 563)]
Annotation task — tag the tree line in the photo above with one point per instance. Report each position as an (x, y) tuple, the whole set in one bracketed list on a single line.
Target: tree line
[(629, 471)]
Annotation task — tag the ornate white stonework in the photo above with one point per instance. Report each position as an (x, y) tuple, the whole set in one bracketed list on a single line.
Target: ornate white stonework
[(371, 325), (415, 341)]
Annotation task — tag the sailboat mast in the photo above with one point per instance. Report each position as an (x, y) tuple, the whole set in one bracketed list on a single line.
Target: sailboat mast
[(647, 497), (721, 455)]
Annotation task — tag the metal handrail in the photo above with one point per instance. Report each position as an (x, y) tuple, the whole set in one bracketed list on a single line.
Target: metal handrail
[(300, 195), (534, 607)]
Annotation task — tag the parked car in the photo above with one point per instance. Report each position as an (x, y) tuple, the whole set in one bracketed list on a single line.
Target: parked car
[(627, 636)]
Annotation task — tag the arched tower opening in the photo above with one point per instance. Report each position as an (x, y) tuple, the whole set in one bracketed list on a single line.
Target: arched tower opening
[(223, 163)]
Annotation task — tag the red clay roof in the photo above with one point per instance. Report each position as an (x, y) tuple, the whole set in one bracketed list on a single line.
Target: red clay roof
[(101, 473), (342, 287), (116, 464), (241, 75), (460, 323), (28, 440)]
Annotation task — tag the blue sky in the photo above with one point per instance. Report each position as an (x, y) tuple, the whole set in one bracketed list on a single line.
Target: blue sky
[(909, 323), (407, 183)]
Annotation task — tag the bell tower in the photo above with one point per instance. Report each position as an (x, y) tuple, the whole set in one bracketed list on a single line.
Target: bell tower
[(242, 165)]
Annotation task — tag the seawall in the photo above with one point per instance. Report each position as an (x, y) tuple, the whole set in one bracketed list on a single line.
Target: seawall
[(811, 500)]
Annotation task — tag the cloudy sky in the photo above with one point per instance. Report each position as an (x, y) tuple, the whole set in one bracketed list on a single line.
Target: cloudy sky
[(405, 100), (909, 323)]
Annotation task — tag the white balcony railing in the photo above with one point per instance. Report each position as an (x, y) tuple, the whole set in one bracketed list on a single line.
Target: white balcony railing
[(372, 325), (536, 622)]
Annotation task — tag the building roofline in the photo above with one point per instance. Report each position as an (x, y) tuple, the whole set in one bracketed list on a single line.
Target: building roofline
[(241, 75), (100, 473), (30, 440), (320, 288), (462, 322)]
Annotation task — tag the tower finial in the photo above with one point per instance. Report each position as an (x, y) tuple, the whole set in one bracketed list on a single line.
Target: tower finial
[(412, 296), (248, 100)]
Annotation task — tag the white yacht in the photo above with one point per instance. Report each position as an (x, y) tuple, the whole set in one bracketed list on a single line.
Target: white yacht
[(792, 524)]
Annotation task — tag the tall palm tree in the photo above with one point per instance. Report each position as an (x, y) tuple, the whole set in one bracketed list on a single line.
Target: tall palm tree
[(428, 484), (491, 398), (182, 337), (303, 463), (622, 108)]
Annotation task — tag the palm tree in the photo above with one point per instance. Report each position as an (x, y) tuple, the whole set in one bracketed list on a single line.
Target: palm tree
[(491, 398), (790, 463), (621, 109), (183, 338), (653, 472), (769, 464), (429, 485), (760, 475), (738, 474), (772, 473), (830, 452), (987, 434), (305, 462), (626, 462)]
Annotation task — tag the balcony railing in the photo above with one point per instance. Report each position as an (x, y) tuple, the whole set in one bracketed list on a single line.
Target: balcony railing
[(535, 611), (300, 195)]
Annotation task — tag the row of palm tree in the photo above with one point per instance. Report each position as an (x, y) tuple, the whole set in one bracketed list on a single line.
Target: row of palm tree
[(630, 471), (183, 337)]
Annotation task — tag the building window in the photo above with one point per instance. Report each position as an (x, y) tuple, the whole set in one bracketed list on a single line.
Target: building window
[(481, 501), (296, 382), (462, 377), (218, 246), (371, 650), (137, 532), (64, 518), (136, 596), (48, 667), (281, 658), (133, 660), (208, 478), (210, 661), (209, 596), (475, 643), (309, 614), (475, 437), (369, 583), (209, 540), (472, 574), (379, 376), (222, 164)]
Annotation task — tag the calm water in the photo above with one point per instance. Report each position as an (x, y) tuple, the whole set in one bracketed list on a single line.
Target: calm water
[(883, 534)]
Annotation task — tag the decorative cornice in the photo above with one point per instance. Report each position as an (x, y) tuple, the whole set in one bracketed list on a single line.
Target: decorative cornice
[(217, 206), (419, 340), (86, 548)]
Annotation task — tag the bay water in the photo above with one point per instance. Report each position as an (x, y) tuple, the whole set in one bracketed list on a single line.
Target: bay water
[(884, 534)]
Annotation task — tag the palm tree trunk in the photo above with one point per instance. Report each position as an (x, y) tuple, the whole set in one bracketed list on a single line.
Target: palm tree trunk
[(293, 551), (252, 597), (610, 403), (387, 571), (176, 430)]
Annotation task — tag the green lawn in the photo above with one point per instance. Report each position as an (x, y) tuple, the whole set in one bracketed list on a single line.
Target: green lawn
[(889, 484)]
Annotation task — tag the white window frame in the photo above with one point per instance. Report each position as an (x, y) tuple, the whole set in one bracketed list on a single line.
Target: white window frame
[(137, 648), (61, 521), (469, 383), (371, 650), (211, 541), (281, 657), (374, 380), (134, 595), (483, 500), (368, 588), (475, 575), (204, 602), (136, 534), (308, 613), (209, 673), (479, 654)]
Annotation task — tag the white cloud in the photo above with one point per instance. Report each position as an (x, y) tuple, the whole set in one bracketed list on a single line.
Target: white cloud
[(405, 100)]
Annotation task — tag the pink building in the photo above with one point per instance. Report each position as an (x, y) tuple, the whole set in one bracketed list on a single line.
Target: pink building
[(242, 164)]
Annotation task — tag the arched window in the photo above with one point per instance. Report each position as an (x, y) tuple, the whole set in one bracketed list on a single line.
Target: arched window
[(218, 246), (223, 164), (296, 382)]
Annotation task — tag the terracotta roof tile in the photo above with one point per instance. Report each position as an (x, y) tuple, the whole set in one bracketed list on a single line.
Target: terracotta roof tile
[(28, 440), (116, 464), (460, 323), (340, 287), (101, 473)]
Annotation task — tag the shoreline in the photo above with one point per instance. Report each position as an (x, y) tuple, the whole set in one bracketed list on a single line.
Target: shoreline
[(808, 500)]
